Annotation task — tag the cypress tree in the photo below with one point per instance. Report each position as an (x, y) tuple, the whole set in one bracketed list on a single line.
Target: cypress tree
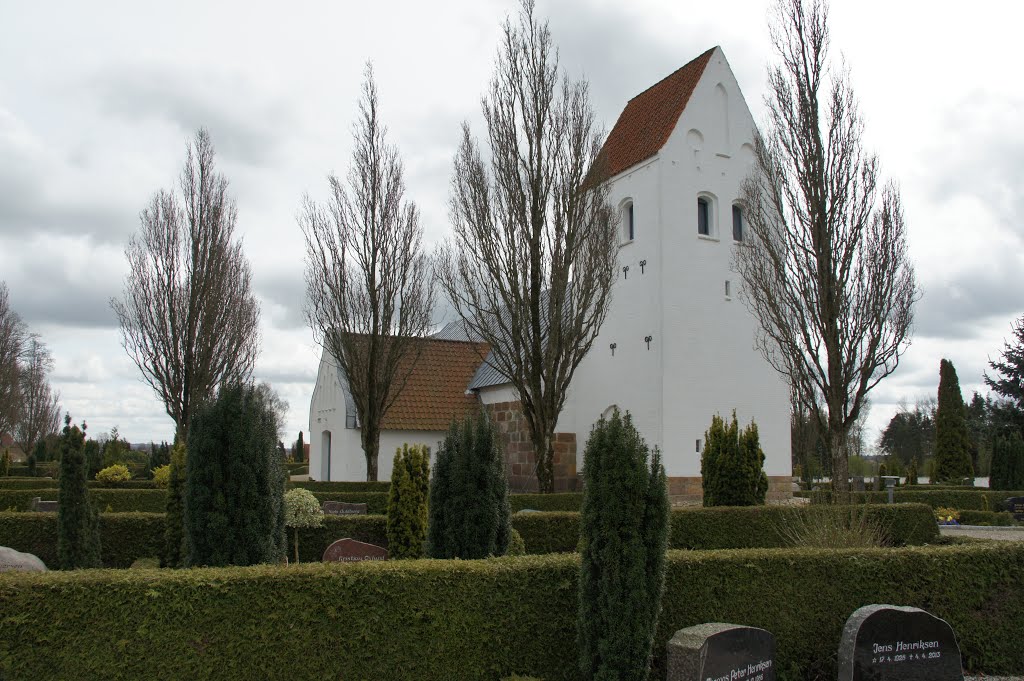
[(469, 509), (5, 463), (234, 482), (300, 449), (624, 534), (732, 465), (93, 459), (912, 472), (952, 441), (407, 502), (174, 538), (78, 531), (1007, 463), (40, 451)]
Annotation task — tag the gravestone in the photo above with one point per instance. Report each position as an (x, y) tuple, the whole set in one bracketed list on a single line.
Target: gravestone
[(353, 551), (893, 643), (1015, 505), (41, 506), (342, 508), (721, 652), (858, 483), (16, 561)]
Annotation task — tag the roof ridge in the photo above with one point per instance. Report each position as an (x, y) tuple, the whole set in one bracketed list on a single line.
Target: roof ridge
[(686, 65)]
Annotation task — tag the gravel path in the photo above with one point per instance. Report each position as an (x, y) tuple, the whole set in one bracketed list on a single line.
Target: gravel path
[(979, 532)]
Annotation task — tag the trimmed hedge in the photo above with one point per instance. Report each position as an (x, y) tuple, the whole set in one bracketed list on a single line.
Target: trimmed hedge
[(486, 619), (992, 518), (963, 499), (50, 483), (564, 501), (316, 486), (554, 532), (116, 500)]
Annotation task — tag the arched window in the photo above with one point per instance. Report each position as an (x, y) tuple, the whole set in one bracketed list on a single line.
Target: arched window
[(703, 216), (737, 222), (628, 222)]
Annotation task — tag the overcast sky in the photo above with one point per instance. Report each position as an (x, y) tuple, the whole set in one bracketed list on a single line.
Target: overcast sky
[(98, 99)]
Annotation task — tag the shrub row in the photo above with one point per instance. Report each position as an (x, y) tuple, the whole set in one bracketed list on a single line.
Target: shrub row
[(50, 483), (317, 486), (963, 499), (993, 518), (486, 619), (556, 532)]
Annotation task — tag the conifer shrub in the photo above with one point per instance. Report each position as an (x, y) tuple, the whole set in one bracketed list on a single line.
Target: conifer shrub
[(407, 502), (469, 512), (1007, 471), (952, 441), (234, 482), (624, 535), (912, 472), (300, 449), (301, 509), (78, 534), (173, 553), (732, 465), (113, 476)]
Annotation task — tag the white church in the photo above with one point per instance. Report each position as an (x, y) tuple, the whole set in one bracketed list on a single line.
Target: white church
[(677, 346)]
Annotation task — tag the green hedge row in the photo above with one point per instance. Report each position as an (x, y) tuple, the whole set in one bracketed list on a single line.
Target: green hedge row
[(425, 620), (962, 500), (50, 483), (999, 519), (555, 532), (316, 486)]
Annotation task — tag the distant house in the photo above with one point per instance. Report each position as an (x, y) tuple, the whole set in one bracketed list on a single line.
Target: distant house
[(7, 443), (677, 347)]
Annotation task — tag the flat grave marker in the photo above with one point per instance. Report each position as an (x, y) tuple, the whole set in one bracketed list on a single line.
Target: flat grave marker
[(353, 551), (721, 652), (1015, 505), (893, 643), (343, 508), (40, 506)]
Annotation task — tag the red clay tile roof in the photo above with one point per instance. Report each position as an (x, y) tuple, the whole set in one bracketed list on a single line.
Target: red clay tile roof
[(649, 118), (436, 390)]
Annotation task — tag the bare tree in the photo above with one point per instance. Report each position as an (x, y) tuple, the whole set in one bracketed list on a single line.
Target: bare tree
[(827, 272), (189, 319), (370, 287), (531, 265), (13, 337), (40, 412)]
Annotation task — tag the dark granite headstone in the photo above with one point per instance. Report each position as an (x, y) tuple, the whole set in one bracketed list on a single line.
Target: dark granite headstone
[(1015, 505), (858, 483), (893, 643), (353, 551), (721, 652), (41, 506), (342, 508)]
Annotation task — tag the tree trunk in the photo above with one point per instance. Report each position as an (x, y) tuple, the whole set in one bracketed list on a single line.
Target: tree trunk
[(296, 545), (840, 464), (371, 448), (545, 455)]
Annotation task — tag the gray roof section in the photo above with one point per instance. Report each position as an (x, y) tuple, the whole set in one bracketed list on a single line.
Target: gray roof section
[(455, 331), (487, 375)]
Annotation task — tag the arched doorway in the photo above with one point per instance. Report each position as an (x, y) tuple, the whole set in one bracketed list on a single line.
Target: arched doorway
[(325, 456)]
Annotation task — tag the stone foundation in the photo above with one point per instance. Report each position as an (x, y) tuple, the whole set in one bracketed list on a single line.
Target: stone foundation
[(687, 491), (520, 461)]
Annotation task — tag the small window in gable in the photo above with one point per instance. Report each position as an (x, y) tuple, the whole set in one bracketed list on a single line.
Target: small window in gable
[(628, 222), (728, 289), (737, 222), (703, 216)]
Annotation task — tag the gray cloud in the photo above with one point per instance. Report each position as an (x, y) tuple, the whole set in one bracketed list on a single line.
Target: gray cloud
[(246, 125)]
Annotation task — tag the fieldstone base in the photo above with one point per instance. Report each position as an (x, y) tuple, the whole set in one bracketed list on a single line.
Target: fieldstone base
[(520, 460)]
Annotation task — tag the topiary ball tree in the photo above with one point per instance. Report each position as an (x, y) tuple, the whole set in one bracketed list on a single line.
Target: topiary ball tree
[(469, 512), (78, 530), (173, 554), (234, 481), (301, 509), (952, 441), (624, 535), (407, 502)]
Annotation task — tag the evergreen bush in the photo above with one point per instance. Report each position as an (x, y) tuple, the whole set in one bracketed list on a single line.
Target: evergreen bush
[(301, 509), (1007, 463), (469, 512), (407, 502), (732, 465), (162, 476), (5, 463), (912, 472), (173, 554), (113, 476), (952, 441), (78, 534), (93, 459), (300, 449), (234, 481), (624, 535), (31, 463)]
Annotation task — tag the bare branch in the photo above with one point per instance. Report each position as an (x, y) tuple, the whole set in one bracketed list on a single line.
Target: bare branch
[(189, 319), (530, 267), (14, 338), (827, 271)]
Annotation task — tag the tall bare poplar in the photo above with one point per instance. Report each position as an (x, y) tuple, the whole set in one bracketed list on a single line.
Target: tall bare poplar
[(189, 319), (827, 272), (530, 267), (13, 338), (40, 412), (369, 284)]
